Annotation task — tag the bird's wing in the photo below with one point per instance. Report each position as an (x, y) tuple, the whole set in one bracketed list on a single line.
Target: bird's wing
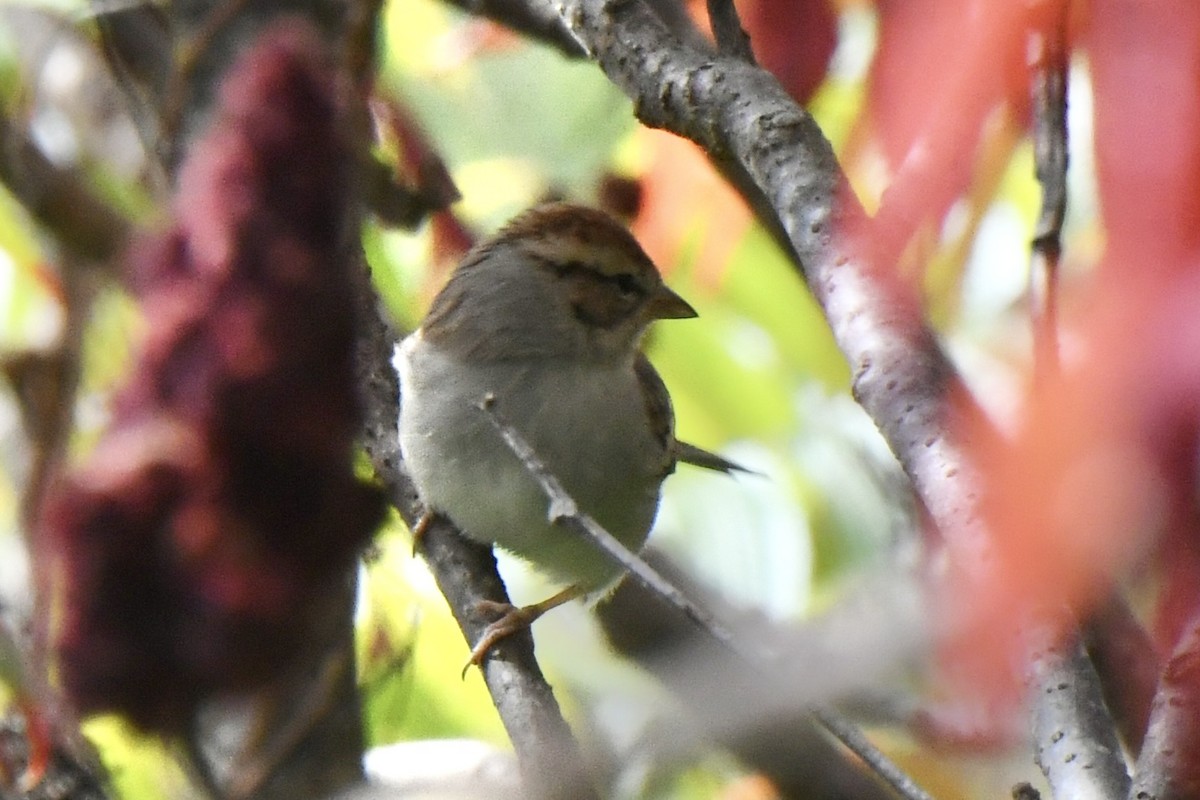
[(657, 403), (662, 423)]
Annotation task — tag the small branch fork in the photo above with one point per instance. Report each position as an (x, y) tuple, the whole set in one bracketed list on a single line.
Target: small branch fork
[(731, 37), (564, 511), (1169, 765)]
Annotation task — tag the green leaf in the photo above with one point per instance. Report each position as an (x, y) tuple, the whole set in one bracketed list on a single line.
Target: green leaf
[(762, 285), (30, 316), (397, 260), (418, 691), (516, 104), (140, 767)]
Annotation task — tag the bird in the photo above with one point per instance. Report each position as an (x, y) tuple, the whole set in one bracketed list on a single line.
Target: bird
[(546, 319)]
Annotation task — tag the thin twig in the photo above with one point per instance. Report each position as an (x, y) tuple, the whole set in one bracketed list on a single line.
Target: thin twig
[(1074, 733), (533, 18), (853, 738), (135, 37), (732, 39), (763, 717), (563, 510), (1128, 666), (1051, 157)]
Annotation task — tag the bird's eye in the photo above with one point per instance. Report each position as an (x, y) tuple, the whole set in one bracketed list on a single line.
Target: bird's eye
[(626, 284)]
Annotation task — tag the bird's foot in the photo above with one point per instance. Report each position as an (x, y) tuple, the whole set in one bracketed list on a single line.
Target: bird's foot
[(510, 620), (421, 528)]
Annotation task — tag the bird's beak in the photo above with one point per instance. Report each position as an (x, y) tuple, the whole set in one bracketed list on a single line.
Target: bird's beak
[(665, 304)]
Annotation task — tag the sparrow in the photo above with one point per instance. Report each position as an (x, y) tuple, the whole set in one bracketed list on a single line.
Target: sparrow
[(546, 317)]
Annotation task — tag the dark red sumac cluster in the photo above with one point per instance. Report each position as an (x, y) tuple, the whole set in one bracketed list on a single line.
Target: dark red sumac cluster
[(191, 552)]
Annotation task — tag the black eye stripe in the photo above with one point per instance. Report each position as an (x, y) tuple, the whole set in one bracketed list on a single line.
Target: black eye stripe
[(563, 268), (625, 283)]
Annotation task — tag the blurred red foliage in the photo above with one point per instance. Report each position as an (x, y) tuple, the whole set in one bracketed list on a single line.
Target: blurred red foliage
[(942, 74), (687, 210), (1145, 65), (794, 40), (1099, 481), (191, 552)]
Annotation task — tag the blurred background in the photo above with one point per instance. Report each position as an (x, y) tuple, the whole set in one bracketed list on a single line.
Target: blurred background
[(828, 525)]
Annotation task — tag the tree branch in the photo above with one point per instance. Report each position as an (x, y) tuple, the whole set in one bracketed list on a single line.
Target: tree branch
[(1051, 157), (856, 742), (1074, 736), (764, 718), (59, 199), (1169, 765), (738, 112)]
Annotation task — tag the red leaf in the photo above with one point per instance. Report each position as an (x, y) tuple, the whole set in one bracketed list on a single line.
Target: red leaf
[(1145, 61)]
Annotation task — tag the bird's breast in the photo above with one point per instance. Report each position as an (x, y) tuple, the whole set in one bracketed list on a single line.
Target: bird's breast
[(586, 422)]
